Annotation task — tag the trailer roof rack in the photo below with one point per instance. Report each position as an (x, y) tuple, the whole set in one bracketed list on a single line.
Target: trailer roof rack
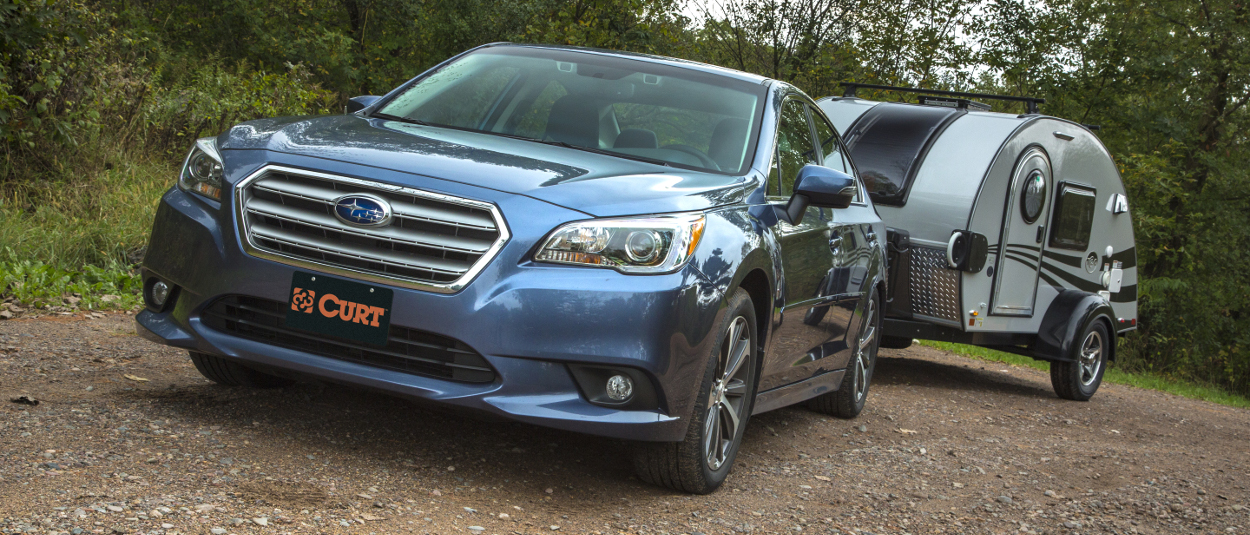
[(849, 89)]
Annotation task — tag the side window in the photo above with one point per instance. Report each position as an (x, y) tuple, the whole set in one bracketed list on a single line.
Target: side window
[(829, 147), (794, 148), (834, 156), (1074, 218)]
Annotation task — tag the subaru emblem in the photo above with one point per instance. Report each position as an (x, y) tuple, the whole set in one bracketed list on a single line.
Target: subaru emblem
[(362, 210)]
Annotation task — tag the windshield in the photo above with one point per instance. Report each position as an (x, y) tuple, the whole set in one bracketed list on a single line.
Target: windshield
[(626, 107)]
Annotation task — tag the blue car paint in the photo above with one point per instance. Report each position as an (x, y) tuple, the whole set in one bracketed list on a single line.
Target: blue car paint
[(527, 319), (594, 184)]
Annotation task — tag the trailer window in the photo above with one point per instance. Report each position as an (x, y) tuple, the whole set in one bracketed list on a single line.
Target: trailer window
[(1074, 218), (888, 143)]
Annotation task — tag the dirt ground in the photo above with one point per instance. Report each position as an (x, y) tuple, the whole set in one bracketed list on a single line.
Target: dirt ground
[(946, 445)]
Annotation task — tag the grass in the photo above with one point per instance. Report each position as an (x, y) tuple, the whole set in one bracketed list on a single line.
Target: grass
[(99, 219), (80, 237), (1112, 375)]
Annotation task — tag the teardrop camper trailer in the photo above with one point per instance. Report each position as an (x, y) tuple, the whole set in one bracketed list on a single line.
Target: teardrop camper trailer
[(1005, 231)]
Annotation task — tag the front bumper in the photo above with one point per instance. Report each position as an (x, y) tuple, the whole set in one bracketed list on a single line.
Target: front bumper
[(529, 321)]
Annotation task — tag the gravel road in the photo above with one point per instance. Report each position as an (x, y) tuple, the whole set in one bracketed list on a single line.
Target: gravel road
[(128, 438)]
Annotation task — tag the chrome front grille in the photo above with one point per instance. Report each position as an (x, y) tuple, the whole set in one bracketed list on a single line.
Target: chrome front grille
[(934, 287), (433, 242)]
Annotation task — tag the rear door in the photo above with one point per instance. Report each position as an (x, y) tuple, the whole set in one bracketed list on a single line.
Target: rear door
[(1023, 235)]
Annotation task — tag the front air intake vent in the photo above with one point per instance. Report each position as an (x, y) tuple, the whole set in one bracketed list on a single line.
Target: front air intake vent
[(407, 350)]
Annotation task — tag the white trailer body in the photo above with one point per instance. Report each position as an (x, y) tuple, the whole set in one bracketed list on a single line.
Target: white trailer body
[(1030, 208)]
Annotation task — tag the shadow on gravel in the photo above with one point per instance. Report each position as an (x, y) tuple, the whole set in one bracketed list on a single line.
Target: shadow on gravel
[(348, 427), (339, 425), (979, 377)]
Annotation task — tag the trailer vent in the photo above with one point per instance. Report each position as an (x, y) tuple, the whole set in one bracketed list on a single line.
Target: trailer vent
[(934, 287)]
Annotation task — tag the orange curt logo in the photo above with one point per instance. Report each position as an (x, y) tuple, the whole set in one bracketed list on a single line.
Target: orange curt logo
[(302, 300), (331, 306)]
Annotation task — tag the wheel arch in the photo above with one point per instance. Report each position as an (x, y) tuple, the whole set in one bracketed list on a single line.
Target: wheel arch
[(757, 285), (1070, 314)]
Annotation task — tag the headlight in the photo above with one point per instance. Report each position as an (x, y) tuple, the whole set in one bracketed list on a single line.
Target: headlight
[(658, 244), (202, 172)]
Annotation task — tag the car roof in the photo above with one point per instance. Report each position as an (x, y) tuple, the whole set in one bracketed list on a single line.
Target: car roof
[(675, 62)]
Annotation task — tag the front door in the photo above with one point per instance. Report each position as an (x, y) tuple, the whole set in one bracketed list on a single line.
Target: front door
[(1023, 236), (817, 257)]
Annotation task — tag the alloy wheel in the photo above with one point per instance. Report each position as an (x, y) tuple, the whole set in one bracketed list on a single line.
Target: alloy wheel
[(1091, 357), (727, 401), (863, 350)]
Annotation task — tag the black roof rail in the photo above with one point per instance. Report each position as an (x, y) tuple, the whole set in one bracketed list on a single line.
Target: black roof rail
[(849, 89)]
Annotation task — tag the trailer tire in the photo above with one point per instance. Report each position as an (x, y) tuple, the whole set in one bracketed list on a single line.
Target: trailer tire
[(1078, 379), (227, 373)]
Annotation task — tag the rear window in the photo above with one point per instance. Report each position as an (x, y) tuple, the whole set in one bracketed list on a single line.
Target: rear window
[(1074, 218)]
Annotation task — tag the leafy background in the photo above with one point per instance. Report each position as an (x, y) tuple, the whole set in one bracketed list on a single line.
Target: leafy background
[(99, 101)]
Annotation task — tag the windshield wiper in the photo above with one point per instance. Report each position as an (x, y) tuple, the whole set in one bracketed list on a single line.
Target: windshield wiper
[(408, 120), (601, 151)]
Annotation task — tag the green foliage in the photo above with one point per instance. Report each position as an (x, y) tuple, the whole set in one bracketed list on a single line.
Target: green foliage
[(41, 285), (103, 219), (214, 97)]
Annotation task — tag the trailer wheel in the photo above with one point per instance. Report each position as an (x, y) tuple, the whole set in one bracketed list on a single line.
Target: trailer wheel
[(1079, 378)]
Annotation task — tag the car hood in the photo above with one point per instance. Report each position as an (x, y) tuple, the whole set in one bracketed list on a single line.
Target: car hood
[(595, 184)]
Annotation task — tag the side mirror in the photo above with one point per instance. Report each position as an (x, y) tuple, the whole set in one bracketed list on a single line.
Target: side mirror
[(356, 104), (819, 186)]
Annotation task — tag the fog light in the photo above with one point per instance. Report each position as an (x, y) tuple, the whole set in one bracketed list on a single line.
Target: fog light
[(160, 292), (620, 388)]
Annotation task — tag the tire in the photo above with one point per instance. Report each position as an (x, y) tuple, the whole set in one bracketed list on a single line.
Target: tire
[(849, 399), (227, 373), (701, 462), (895, 342), (1079, 379)]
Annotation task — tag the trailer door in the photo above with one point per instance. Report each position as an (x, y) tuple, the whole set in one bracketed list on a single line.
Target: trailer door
[(1023, 236)]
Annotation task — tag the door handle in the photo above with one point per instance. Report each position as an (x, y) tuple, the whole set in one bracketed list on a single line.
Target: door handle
[(838, 244), (835, 243)]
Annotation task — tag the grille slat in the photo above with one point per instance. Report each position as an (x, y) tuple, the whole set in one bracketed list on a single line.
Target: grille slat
[(424, 213), (408, 350), (329, 222), (433, 242), (379, 255)]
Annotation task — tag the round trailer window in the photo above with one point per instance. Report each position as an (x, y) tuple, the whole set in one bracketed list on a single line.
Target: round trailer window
[(1033, 198)]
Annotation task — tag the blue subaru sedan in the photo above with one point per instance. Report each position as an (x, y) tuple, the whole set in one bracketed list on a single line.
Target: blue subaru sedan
[(623, 245)]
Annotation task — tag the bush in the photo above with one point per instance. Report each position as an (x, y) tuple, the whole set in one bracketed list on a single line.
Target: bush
[(41, 285)]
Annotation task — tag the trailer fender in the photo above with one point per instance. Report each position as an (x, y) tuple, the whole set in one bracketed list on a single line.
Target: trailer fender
[(1068, 316)]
